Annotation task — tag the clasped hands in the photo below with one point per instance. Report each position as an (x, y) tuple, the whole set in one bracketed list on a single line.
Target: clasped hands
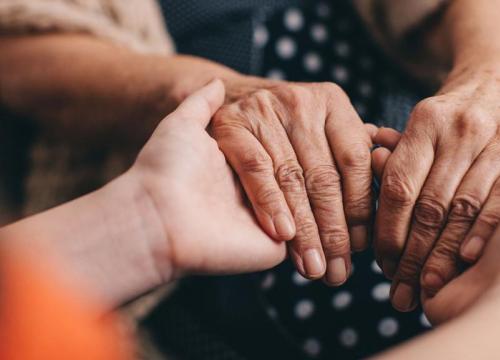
[(303, 158)]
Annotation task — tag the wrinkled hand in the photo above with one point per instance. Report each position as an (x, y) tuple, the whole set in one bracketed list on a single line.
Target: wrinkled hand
[(480, 284), (440, 187), (198, 201), (303, 157)]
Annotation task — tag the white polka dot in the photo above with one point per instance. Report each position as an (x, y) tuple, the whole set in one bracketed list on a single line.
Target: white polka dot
[(348, 337), (342, 49), (342, 300), (424, 321), (323, 10), (268, 281), (294, 20), (365, 89), (276, 74), (272, 313), (388, 327), (381, 292), (376, 269), (299, 279), (319, 33), (260, 36), (304, 309), (340, 74), (286, 48), (312, 347), (313, 62)]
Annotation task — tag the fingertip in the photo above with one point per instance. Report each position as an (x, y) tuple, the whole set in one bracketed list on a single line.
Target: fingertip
[(371, 129), (379, 159), (387, 137)]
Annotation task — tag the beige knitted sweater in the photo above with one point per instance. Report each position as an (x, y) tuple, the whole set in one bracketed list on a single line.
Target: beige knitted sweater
[(59, 173)]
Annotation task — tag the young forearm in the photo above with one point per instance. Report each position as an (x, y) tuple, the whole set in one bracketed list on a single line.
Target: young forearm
[(109, 243), (474, 335), (82, 88)]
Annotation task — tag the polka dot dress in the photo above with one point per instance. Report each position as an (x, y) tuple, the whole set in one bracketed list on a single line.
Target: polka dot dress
[(324, 41)]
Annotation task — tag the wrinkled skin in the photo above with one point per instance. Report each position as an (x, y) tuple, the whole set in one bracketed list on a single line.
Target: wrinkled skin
[(440, 194), (208, 227), (303, 157)]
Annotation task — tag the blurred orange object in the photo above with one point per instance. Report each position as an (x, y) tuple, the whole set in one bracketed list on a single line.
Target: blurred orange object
[(40, 320)]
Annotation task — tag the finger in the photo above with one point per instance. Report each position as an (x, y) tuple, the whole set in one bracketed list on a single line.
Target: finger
[(325, 195), (429, 218), (201, 105), (387, 137), (379, 159), (305, 248), (351, 145), (255, 170), (444, 262), (403, 177), (371, 129), (483, 228)]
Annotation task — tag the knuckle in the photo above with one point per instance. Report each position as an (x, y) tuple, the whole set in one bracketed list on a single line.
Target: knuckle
[(255, 163), (335, 240), (464, 209), (446, 249), (397, 191), (489, 220), (266, 196), (409, 267), (356, 157), (358, 208), (296, 97), (307, 232), (472, 122), (290, 177), (429, 213), (430, 108), (323, 182)]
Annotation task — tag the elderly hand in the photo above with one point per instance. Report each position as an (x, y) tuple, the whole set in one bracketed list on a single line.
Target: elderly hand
[(441, 181), (479, 284), (303, 157), (208, 227)]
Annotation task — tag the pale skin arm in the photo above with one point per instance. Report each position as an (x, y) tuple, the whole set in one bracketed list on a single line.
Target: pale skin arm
[(177, 210), (472, 336), (103, 244)]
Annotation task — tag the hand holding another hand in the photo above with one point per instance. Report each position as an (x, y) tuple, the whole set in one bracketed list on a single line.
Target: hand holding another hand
[(303, 157), (207, 226)]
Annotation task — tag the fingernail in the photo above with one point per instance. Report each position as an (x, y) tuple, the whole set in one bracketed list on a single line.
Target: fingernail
[(432, 283), (472, 248), (389, 268), (313, 263), (284, 226), (337, 271), (358, 234), (404, 297)]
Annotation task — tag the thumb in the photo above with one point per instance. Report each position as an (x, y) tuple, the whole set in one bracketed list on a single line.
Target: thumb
[(201, 105)]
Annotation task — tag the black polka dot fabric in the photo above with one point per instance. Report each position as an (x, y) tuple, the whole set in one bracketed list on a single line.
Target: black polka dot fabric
[(324, 41)]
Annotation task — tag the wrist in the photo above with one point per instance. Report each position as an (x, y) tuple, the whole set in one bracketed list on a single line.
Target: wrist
[(150, 232)]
